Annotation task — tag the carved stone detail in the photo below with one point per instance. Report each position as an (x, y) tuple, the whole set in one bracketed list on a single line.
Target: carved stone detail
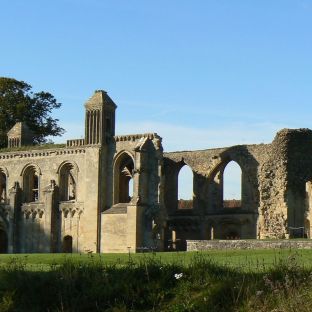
[(70, 209)]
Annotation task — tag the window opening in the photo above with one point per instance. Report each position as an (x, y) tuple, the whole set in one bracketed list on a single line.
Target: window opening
[(185, 188), (232, 185), (67, 183), (31, 185), (123, 179)]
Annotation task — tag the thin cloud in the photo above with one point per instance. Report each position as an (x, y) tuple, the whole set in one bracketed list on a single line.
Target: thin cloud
[(177, 137)]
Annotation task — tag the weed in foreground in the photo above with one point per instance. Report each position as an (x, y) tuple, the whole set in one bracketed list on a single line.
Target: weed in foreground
[(152, 285)]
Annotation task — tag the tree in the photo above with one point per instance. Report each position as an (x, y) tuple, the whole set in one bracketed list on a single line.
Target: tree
[(19, 103)]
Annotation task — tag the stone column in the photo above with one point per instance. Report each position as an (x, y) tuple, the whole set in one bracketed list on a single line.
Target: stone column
[(49, 234), (16, 225), (136, 177)]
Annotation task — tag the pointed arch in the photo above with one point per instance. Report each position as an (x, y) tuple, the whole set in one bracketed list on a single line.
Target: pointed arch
[(185, 187), (68, 177), (232, 185), (123, 173), (31, 165), (31, 182), (64, 163)]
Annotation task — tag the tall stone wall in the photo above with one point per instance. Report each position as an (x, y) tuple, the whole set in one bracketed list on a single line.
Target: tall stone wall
[(274, 196), (139, 218), (32, 226), (263, 197)]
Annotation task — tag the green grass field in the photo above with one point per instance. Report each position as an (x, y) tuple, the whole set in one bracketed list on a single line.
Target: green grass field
[(233, 281), (243, 259)]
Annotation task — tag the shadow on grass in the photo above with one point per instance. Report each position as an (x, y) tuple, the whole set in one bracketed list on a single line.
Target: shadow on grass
[(151, 285)]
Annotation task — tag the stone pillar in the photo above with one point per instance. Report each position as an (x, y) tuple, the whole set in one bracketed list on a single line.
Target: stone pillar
[(16, 225), (49, 239), (10, 231)]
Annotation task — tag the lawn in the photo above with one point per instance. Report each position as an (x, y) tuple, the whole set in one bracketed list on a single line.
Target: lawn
[(242, 259), (232, 281)]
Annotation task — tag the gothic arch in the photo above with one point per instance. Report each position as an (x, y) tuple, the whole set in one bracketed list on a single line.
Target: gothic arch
[(216, 180), (185, 169), (31, 182), (122, 173), (37, 168), (222, 164), (232, 182), (67, 180), (120, 154), (64, 163)]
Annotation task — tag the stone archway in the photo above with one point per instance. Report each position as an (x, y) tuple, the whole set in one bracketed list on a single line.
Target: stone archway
[(68, 244), (185, 185), (67, 182), (31, 180), (123, 174)]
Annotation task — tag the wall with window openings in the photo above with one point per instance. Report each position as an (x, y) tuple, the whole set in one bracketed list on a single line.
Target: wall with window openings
[(46, 193), (214, 214), (111, 193)]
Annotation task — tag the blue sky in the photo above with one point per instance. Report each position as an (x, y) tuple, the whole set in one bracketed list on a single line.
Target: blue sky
[(200, 73)]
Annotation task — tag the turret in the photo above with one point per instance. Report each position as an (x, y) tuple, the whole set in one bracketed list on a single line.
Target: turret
[(20, 135), (100, 119)]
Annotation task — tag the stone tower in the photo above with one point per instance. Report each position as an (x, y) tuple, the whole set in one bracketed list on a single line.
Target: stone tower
[(99, 119), (20, 135)]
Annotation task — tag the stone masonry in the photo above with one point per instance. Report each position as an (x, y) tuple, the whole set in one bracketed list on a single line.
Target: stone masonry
[(119, 193)]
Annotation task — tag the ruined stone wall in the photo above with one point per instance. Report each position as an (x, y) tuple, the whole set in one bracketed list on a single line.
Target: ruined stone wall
[(299, 172), (195, 245), (283, 176), (34, 227), (264, 182), (276, 199), (141, 216), (272, 189)]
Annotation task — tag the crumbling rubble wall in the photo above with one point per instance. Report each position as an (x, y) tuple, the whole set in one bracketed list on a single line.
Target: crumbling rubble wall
[(273, 187)]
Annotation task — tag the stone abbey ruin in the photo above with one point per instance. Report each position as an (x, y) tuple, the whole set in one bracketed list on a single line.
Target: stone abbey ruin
[(77, 197)]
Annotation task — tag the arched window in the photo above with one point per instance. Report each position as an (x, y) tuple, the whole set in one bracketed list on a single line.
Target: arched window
[(185, 188), (31, 184), (68, 244), (67, 182), (123, 174), (232, 185), (3, 187)]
